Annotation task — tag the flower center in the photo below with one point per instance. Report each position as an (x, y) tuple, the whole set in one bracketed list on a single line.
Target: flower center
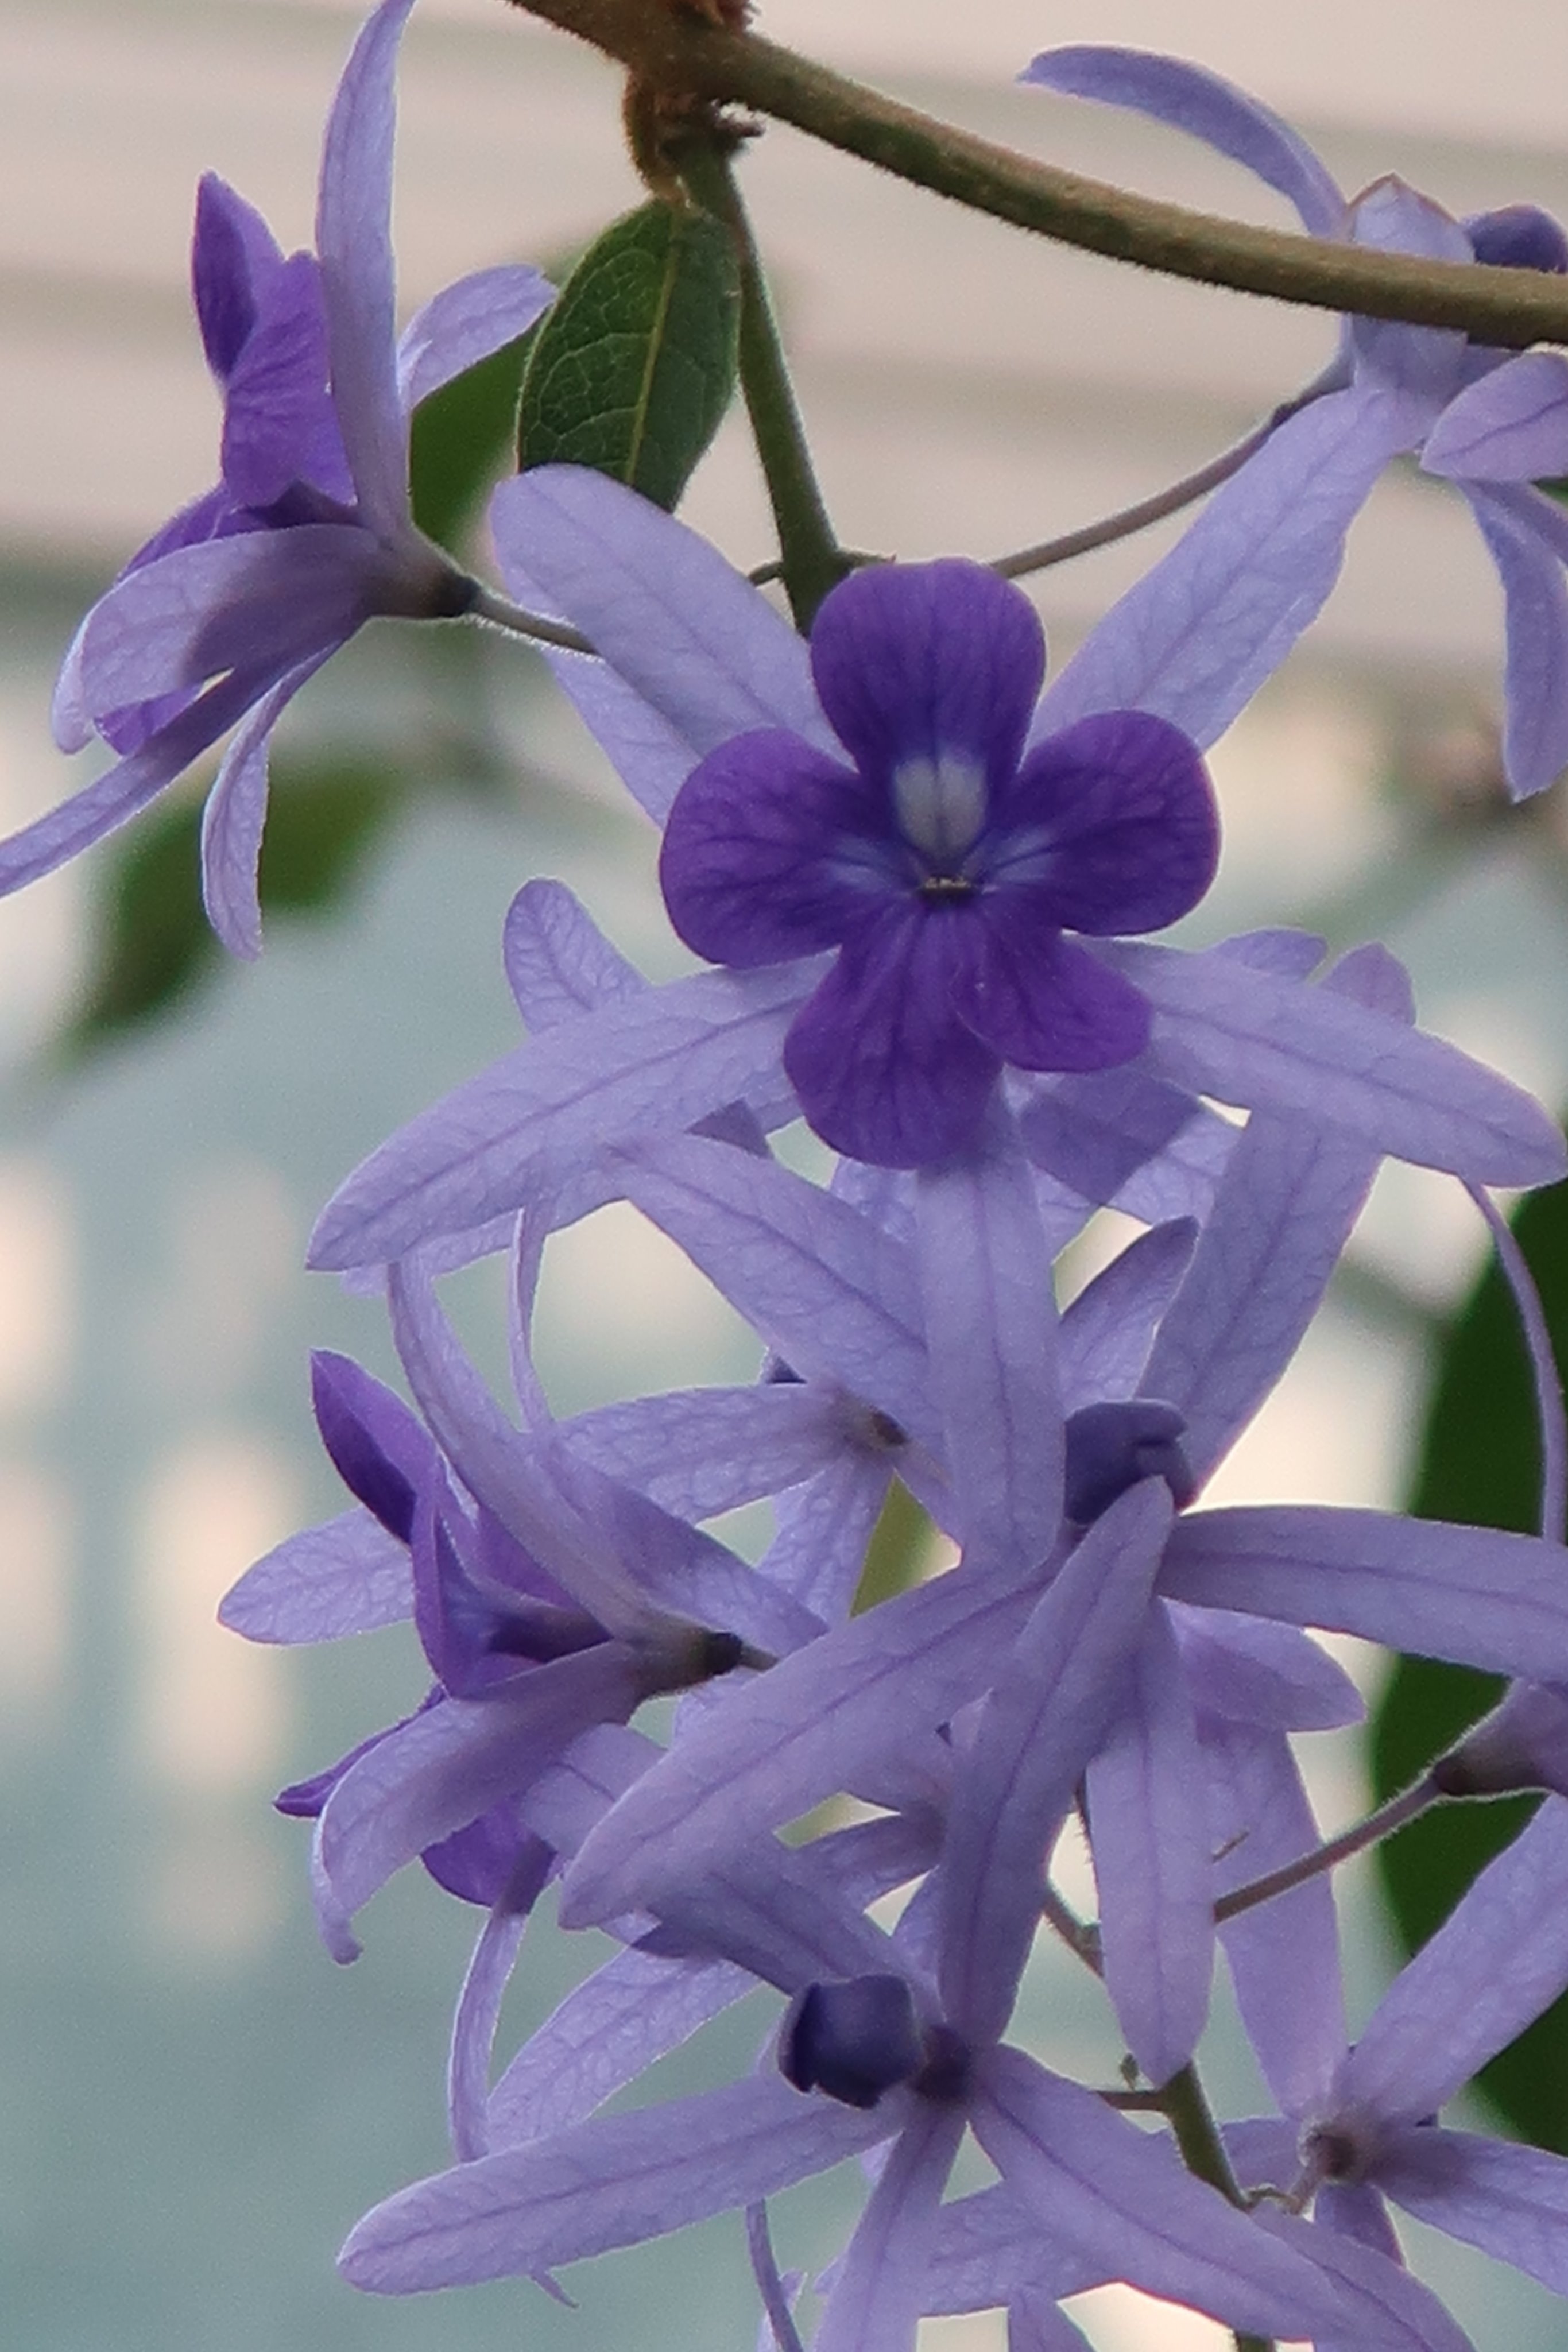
[(941, 807)]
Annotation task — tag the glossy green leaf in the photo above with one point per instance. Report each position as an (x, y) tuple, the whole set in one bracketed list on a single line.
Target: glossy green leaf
[(152, 946), (1479, 1463), (633, 369)]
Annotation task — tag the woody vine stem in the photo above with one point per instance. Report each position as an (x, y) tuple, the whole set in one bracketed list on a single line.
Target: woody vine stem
[(688, 57)]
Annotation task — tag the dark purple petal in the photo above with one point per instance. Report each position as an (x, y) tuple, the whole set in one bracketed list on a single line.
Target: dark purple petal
[(920, 662), (771, 851), (492, 1855), (1113, 1446), (1109, 826), (852, 2040), (1039, 1001), (278, 424), (885, 1069), (234, 258), (378, 1447), (1517, 237)]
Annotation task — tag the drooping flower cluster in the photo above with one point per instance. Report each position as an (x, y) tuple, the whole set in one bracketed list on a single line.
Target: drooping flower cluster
[(1105, 1639), (924, 890)]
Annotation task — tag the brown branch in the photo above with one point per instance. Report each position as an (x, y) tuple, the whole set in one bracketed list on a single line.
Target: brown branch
[(687, 53)]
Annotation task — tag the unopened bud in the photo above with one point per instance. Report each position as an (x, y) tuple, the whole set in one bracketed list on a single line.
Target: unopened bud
[(1112, 1446), (1517, 236), (855, 2041), (1522, 1744)]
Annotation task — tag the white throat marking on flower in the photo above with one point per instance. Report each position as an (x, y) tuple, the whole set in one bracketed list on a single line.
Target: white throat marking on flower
[(940, 806)]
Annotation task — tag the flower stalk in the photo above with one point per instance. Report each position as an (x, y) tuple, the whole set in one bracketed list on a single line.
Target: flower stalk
[(811, 562)]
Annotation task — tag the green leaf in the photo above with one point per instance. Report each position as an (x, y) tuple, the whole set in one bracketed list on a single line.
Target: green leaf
[(632, 370), (1480, 1464), (898, 1552), (152, 947)]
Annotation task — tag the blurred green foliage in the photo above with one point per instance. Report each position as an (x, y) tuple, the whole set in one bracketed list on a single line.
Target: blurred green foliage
[(460, 442), (150, 943), (1479, 1463)]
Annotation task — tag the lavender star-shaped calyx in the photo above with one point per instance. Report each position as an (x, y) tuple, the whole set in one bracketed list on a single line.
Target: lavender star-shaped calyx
[(944, 861)]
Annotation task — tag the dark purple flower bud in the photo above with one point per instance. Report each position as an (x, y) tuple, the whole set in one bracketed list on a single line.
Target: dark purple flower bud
[(1517, 236), (855, 2041), (1522, 1744), (946, 859), (377, 1448), (1112, 1446)]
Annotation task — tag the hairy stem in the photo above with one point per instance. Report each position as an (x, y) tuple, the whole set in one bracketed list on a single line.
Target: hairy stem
[(1181, 2101), (1191, 2118), (490, 605), (680, 54), (1381, 1824), (1138, 517), (810, 559)]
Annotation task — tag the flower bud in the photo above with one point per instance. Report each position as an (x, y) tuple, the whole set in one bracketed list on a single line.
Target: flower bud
[(1521, 1744), (1111, 1447), (854, 2039)]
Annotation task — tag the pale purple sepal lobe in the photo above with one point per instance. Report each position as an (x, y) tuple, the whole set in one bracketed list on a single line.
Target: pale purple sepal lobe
[(1188, 99), (1499, 1959), (1051, 1701)]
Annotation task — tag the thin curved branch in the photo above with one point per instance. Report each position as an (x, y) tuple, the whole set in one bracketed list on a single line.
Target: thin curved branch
[(683, 54)]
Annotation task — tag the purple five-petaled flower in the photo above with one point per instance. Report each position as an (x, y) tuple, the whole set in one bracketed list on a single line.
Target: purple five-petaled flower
[(219, 620), (944, 861)]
